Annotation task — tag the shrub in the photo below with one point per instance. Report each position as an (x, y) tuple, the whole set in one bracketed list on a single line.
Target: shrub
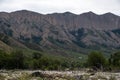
[(114, 60), (96, 59)]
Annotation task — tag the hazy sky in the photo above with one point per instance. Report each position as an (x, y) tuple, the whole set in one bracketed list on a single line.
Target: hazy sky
[(51, 6)]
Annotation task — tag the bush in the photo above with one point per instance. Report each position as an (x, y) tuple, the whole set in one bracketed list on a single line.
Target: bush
[(3, 59), (114, 60), (17, 59), (96, 59)]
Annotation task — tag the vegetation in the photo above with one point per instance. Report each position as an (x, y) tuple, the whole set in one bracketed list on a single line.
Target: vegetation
[(96, 60), (19, 60), (114, 61)]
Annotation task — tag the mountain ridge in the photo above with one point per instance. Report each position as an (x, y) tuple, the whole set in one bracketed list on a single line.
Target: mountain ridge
[(89, 12), (67, 30)]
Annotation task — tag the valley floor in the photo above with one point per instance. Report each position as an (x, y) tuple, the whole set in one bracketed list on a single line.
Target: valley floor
[(57, 75)]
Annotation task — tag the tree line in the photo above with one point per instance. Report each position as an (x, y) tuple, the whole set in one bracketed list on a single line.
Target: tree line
[(18, 60)]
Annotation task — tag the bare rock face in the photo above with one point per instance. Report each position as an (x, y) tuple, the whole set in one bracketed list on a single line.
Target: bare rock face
[(62, 30)]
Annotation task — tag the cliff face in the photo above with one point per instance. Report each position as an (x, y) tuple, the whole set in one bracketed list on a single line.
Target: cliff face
[(62, 30)]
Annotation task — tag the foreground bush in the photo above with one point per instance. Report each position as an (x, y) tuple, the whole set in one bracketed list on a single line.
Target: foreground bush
[(96, 59), (114, 61)]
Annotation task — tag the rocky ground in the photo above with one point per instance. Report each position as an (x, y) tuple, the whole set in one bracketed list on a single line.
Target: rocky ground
[(57, 75)]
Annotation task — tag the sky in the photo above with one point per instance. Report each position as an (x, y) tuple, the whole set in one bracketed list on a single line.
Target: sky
[(60, 6)]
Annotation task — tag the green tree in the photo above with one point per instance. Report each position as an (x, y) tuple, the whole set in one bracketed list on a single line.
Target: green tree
[(3, 59), (17, 59), (37, 55), (114, 59), (96, 59)]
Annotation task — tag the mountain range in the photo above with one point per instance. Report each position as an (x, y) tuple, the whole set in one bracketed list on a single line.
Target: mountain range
[(59, 31)]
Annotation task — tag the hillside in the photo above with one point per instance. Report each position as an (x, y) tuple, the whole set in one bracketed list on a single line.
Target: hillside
[(58, 32)]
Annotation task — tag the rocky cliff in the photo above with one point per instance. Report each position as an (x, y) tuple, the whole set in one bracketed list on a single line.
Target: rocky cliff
[(62, 30)]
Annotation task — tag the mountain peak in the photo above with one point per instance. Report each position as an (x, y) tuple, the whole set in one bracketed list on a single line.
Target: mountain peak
[(89, 13), (109, 14), (68, 12), (26, 12), (21, 11), (65, 14)]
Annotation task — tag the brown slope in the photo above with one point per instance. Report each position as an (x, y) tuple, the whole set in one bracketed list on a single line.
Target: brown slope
[(62, 30), (5, 47), (9, 43)]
